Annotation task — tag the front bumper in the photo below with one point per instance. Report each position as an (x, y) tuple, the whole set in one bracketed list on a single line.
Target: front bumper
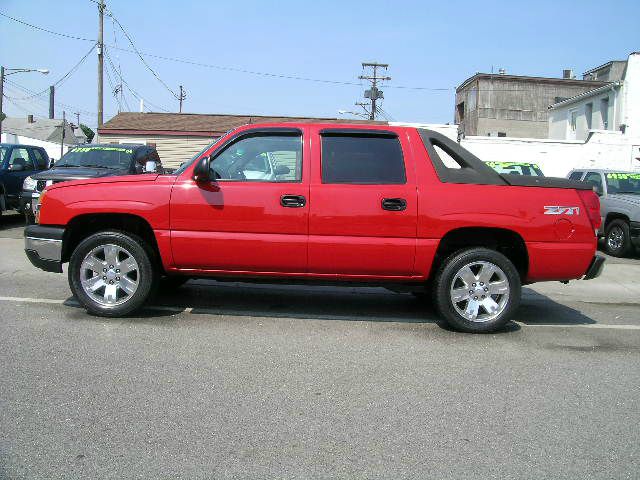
[(595, 268), (43, 246), (29, 200)]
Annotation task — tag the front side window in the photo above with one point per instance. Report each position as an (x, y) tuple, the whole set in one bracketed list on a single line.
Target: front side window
[(19, 160), (595, 180), (41, 161), (262, 158), (362, 159)]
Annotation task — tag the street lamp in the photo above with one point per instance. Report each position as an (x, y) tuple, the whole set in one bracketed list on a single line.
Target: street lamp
[(11, 71)]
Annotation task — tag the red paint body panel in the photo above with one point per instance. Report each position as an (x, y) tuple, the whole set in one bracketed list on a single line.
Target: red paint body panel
[(241, 229)]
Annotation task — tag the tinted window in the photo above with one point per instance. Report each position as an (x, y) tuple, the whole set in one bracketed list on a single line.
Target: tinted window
[(575, 176), (41, 160), (594, 179), (262, 158), (362, 159), (20, 156)]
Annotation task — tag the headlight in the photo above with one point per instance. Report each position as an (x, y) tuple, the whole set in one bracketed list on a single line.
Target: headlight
[(29, 183), (40, 204)]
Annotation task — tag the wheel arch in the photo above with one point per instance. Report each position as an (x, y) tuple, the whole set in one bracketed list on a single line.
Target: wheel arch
[(84, 225), (611, 216), (506, 241)]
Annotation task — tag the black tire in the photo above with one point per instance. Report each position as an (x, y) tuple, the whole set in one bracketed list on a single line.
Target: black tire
[(617, 241), (147, 271), (447, 278)]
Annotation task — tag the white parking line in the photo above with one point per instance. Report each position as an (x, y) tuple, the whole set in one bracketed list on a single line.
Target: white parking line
[(177, 309)]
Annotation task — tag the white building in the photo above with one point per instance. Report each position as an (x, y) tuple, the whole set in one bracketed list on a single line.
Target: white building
[(612, 107), (39, 132)]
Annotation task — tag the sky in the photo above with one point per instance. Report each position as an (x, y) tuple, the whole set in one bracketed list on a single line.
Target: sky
[(430, 46)]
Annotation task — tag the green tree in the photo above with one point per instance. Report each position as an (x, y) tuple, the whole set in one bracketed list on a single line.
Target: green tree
[(88, 132), (2, 117)]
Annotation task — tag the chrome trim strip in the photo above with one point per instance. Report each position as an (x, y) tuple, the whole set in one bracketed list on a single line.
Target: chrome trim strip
[(46, 248)]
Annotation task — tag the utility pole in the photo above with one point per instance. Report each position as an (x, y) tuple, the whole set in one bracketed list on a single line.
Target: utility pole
[(100, 61), (62, 135), (77, 114), (374, 93), (182, 96), (1, 95), (52, 95)]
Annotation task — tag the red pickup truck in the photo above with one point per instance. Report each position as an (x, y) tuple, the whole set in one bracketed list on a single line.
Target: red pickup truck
[(405, 208)]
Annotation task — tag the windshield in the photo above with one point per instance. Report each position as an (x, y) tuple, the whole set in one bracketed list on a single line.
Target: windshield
[(3, 150), (186, 164), (622, 182), (513, 168), (99, 157)]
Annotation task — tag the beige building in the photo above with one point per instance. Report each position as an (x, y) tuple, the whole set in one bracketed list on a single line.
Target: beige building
[(501, 105), (179, 136)]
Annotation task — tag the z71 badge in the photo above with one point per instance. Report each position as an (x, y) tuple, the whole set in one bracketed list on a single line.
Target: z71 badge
[(560, 210)]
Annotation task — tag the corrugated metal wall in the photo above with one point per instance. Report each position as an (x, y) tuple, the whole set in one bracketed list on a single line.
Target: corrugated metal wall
[(173, 150)]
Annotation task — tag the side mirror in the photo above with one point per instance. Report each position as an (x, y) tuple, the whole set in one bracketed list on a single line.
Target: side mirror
[(150, 166), (17, 167), (202, 171), (281, 170)]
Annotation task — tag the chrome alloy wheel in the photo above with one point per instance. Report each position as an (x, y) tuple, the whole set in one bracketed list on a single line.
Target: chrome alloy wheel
[(109, 275), (480, 291), (615, 239)]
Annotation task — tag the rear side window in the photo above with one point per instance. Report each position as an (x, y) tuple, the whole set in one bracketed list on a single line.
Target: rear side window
[(595, 180), (362, 159), (575, 176)]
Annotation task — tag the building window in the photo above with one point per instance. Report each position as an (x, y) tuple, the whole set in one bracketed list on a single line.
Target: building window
[(604, 112), (502, 134), (573, 120), (588, 114)]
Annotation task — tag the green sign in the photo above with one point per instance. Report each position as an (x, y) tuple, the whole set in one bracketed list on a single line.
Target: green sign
[(623, 176), (107, 149)]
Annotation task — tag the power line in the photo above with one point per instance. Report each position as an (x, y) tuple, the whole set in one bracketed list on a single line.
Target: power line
[(110, 13), (134, 93), (63, 78), (227, 68), (26, 90)]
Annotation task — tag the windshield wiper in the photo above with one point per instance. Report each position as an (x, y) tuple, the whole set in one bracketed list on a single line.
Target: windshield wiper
[(90, 165), (637, 192)]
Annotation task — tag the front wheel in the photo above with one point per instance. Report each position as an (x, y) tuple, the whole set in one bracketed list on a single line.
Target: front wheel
[(112, 274), (477, 290)]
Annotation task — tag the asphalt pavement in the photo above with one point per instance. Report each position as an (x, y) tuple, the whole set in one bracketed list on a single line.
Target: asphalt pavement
[(231, 380)]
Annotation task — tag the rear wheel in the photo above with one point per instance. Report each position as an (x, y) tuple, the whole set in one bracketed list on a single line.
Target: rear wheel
[(112, 274), (617, 240), (477, 290)]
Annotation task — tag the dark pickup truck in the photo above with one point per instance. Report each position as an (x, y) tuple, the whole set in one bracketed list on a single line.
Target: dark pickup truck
[(90, 161)]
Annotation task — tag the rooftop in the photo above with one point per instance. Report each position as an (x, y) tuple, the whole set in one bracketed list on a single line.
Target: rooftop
[(210, 125), (526, 78), (44, 129)]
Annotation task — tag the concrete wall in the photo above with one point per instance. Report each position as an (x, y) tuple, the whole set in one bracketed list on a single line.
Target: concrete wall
[(173, 150), (52, 149), (605, 149)]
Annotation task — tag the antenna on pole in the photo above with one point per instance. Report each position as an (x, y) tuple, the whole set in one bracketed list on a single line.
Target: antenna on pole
[(374, 93)]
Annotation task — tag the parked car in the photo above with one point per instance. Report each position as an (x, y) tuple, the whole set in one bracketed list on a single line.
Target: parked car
[(88, 161), (16, 163), (517, 168), (619, 193), (360, 204)]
